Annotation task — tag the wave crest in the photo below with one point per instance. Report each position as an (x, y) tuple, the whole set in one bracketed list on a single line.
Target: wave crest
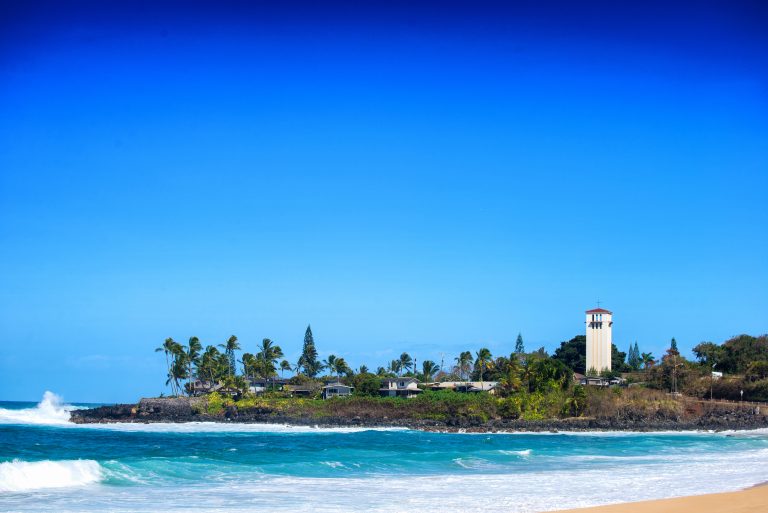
[(51, 410), (19, 476)]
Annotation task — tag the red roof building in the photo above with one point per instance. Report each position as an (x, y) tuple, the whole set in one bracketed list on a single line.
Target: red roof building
[(599, 310)]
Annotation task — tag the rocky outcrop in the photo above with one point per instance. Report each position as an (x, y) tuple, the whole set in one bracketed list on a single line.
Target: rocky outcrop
[(193, 410)]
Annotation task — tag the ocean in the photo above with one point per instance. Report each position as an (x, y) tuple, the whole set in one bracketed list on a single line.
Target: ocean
[(48, 464)]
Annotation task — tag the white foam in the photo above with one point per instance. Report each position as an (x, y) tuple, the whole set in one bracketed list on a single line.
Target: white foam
[(223, 427), (525, 452), (333, 464), (19, 476), (50, 411)]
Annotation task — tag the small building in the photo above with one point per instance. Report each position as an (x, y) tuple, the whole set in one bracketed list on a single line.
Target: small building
[(300, 390), (717, 375), (476, 386), (399, 387), (437, 386), (261, 385), (463, 386), (202, 387), (601, 382), (337, 390)]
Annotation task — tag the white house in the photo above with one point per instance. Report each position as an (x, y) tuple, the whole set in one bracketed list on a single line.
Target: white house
[(399, 387), (337, 390)]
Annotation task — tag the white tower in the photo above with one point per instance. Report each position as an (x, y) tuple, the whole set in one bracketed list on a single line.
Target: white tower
[(599, 339)]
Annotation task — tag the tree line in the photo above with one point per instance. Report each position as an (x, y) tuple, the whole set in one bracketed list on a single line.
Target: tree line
[(520, 370)]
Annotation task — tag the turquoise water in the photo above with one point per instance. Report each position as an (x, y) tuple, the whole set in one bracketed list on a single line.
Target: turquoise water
[(48, 464)]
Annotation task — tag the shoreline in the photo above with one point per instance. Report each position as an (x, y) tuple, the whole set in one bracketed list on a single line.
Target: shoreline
[(753, 499), (177, 411)]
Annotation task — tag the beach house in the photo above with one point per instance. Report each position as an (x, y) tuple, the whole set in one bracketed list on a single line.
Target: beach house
[(337, 390), (399, 387)]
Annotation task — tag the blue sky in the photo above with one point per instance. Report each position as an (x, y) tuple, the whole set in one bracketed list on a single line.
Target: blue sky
[(428, 179)]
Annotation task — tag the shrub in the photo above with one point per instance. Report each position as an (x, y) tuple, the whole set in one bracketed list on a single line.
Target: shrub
[(215, 404), (511, 407)]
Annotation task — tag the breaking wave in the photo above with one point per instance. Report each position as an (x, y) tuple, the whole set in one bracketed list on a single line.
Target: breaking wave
[(51, 411), (19, 476)]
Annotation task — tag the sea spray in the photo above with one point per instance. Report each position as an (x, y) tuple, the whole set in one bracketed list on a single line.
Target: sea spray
[(51, 410)]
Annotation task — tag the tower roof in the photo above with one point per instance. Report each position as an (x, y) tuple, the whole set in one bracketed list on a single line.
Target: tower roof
[(599, 310)]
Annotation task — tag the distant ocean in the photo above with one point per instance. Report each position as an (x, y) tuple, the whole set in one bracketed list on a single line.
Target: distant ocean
[(50, 465)]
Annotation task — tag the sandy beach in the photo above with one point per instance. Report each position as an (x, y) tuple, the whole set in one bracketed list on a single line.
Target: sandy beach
[(751, 500)]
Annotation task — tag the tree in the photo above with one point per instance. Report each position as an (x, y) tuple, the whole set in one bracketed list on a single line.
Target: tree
[(708, 353), (169, 347), (429, 369), (519, 346), (464, 364), (508, 375), (179, 370), (673, 347), (618, 360), (330, 363), (638, 361), (739, 352), (250, 365), (308, 360), (757, 370), (406, 362), (482, 359), (363, 369), (341, 367), (573, 353), (268, 355), (194, 348), (285, 365), (230, 347), (548, 374), (648, 359), (366, 384), (212, 367)]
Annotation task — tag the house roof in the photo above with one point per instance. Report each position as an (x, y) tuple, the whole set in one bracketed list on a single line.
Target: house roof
[(599, 310), (391, 380), (337, 385)]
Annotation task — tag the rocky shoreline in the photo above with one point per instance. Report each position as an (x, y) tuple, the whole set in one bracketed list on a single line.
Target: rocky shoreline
[(179, 410)]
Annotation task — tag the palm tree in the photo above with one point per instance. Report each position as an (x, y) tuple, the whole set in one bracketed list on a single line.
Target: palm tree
[(428, 369), (193, 357), (464, 363), (268, 355), (648, 360), (230, 347), (169, 347), (395, 366), (179, 369), (341, 367), (363, 369), (210, 367), (406, 362), (249, 365), (482, 360), (330, 363), (285, 365), (510, 378)]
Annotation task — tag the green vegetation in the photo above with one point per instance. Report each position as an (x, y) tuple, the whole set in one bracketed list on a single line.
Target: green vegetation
[(529, 386)]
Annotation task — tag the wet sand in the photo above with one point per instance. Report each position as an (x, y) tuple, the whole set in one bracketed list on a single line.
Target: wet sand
[(751, 500)]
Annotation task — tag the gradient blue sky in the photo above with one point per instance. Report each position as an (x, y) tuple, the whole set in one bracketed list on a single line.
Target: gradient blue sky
[(428, 179)]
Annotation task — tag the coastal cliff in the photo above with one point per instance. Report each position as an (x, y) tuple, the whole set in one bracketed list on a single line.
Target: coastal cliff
[(350, 413)]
